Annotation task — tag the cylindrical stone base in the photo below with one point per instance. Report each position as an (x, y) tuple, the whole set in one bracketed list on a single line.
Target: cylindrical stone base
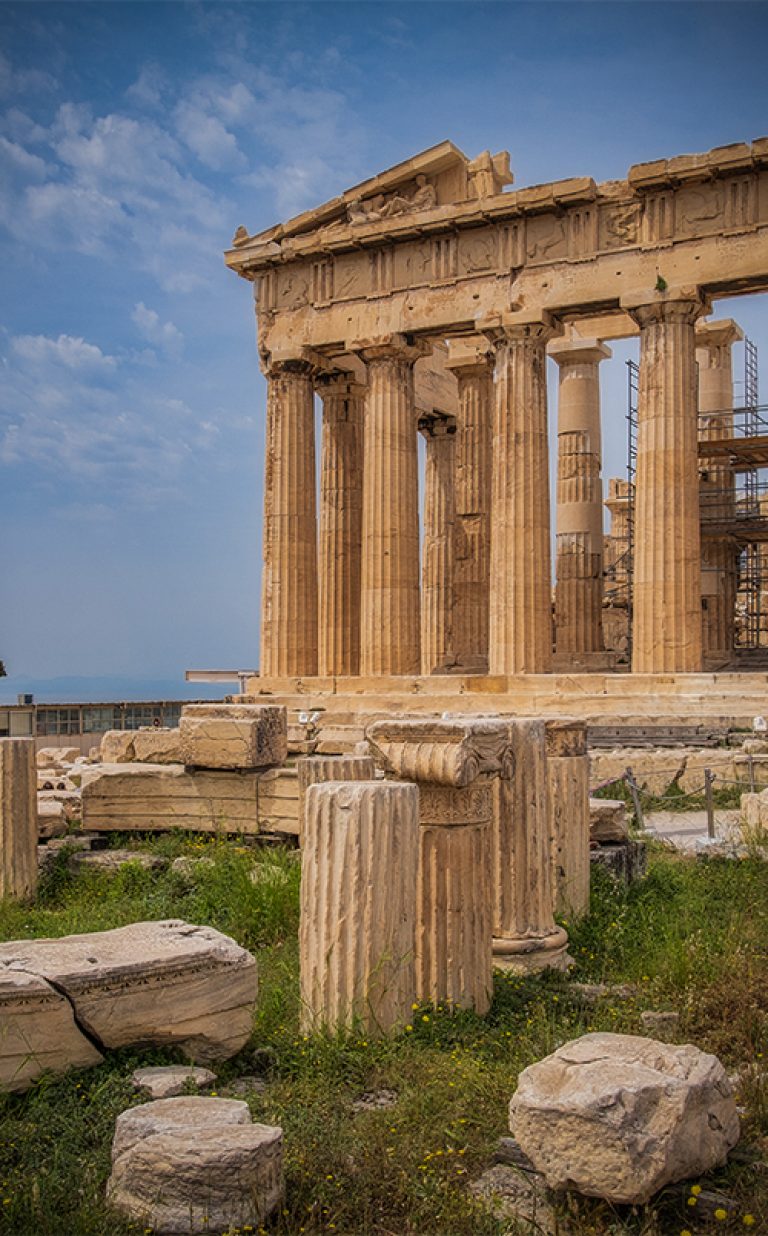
[(18, 818), (358, 899), (526, 938), (568, 794), (314, 769), (454, 926)]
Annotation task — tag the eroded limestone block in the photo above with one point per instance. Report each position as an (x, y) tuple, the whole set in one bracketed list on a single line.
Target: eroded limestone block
[(37, 1031), (320, 768), (257, 734), (166, 1081), (653, 770), (162, 983), (608, 819), (358, 904), (155, 797), (51, 818), (117, 746), (190, 1165), (149, 745), (18, 818), (619, 1116), (50, 757)]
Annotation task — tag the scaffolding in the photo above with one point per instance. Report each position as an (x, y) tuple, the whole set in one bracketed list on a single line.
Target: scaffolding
[(733, 462)]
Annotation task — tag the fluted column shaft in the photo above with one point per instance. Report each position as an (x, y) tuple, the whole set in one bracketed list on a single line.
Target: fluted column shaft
[(568, 798), (666, 633), (579, 522), (289, 580), (472, 542), (341, 515), (18, 818), (389, 625), (437, 551), (520, 610), (714, 341), (525, 937), (358, 904)]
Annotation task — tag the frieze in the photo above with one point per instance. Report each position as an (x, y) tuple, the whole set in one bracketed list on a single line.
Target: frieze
[(439, 804)]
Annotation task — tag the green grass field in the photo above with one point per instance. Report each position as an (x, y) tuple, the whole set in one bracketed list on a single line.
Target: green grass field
[(692, 937)]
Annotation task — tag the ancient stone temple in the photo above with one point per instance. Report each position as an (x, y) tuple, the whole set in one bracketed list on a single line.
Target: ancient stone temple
[(425, 301)]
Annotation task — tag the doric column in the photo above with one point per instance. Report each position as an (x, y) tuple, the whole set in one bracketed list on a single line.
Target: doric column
[(525, 937), (358, 905), (437, 551), (666, 635), (472, 541), (389, 604), (521, 587), (714, 342), (289, 580), (579, 522), (341, 515)]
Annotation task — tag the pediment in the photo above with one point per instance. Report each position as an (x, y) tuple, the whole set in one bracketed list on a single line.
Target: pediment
[(440, 176)]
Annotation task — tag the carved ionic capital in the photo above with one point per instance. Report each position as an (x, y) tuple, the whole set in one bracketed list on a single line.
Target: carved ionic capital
[(450, 753)]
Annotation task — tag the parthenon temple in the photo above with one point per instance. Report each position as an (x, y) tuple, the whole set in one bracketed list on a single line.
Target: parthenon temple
[(425, 301)]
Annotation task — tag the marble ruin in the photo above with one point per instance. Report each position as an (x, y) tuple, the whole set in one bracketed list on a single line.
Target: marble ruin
[(436, 277)]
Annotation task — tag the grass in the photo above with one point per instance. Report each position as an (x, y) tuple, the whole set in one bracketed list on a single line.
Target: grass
[(692, 937)]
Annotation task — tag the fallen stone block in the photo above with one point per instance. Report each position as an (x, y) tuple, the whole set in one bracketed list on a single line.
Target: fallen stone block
[(166, 1081), (164, 983), (520, 1196), (259, 740), (69, 799), (608, 820), (111, 861), (51, 757), (190, 1165), (155, 797), (39, 1033), (51, 818), (149, 745), (619, 1116), (116, 747), (626, 861), (243, 736), (653, 770)]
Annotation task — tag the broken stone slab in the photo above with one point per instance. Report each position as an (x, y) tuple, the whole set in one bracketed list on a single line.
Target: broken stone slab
[(165, 1081), (619, 1116), (232, 736), (69, 799), (39, 1033), (608, 820), (653, 770), (167, 983), (111, 861), (625, 861), (375, 1100), (191, 1165), (591, 993)]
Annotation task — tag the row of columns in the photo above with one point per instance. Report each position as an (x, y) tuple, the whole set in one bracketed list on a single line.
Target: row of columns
[(485, 597)]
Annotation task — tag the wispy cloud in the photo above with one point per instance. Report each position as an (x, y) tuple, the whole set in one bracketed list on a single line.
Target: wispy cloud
[(163, 334)]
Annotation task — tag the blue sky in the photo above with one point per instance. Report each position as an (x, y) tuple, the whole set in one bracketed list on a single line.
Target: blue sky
[(134, 138)]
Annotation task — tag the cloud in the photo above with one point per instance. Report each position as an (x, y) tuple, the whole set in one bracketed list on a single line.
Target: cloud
[(207, 137), (164, 334), (96, 426), (15, 82), (150, 86)]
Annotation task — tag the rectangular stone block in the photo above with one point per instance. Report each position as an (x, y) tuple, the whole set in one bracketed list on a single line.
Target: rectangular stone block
[(243, 736), (278, 801), (160, 797), (608, 820)]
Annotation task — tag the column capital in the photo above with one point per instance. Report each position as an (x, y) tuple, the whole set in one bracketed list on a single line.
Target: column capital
[(578, 351), (304, 360), (436, 426), (470, 361), (390, 347), (536, 325), (675, 303), (340, 383), (718, 334)]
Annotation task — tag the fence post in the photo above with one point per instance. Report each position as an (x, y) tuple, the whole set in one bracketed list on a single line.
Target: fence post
[(630, 779), (708, 780)]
